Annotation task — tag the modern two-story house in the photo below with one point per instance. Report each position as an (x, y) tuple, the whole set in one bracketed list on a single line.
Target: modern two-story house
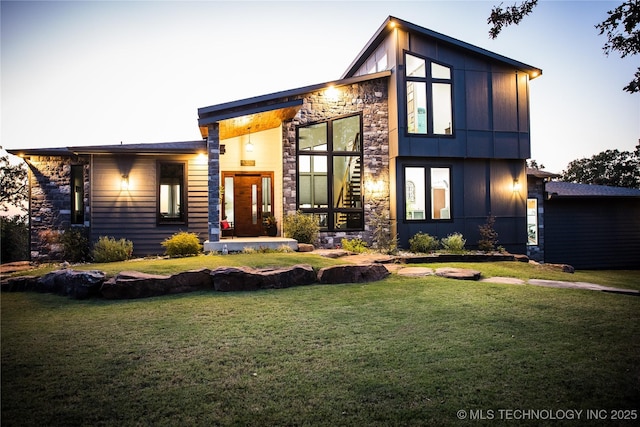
[(427, 132)]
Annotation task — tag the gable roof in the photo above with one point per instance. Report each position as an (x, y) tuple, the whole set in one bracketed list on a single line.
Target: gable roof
[(556, 189), (392, 22)]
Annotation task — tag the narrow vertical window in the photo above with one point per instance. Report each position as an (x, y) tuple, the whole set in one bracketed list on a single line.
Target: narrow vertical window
[(171, 192), (429, 97), (415, 203), (77, 194), (440, 194), (532, 222)]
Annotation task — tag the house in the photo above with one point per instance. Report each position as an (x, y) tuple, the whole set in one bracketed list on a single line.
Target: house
[(586, 226), (422, 133)]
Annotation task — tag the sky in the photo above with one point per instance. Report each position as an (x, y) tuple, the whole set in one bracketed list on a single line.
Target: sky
[(92, 72)]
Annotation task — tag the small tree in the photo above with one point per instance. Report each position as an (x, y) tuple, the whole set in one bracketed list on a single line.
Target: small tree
[(488, 235), (13, 181), (14, 238)]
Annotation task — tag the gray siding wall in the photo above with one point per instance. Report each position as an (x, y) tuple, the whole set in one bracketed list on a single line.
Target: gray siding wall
[(132, 214), (593, 233)]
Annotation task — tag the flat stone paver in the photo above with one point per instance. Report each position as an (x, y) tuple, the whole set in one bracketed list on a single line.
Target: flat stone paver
[(580, 285), (415, 271), (458, 273), (505, 280)]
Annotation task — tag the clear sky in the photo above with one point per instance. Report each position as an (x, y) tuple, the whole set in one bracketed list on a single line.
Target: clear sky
[(88, 73)]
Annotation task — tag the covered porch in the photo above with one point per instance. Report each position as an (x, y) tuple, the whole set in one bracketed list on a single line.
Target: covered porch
[(238, 244)]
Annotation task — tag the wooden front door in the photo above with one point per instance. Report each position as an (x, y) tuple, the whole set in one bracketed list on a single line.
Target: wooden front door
[(247, 199)]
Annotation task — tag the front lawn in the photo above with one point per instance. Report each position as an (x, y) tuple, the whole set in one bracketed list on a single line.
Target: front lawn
[(403, 351)]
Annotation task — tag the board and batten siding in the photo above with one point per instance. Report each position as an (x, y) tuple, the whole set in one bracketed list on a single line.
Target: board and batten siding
[(132, 213), (593, 233)]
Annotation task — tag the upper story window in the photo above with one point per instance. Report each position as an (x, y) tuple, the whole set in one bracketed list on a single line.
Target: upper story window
[(171, 192), (429, 96), (329, 172)]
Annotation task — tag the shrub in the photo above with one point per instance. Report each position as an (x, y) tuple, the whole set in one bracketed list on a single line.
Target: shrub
[(108, 249), (382, 239), (75, 244), (182, 244), (301, 227), (454, 243), (356, 245), (423, 242), (488, 235)]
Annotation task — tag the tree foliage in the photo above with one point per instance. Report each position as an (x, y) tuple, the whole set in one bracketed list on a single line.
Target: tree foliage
[(622, 29), (13, 182), (611, 167)]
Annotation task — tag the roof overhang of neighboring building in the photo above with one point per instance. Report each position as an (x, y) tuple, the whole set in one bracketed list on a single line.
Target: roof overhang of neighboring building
[(571, 190), (267, 111), (184, 147), (392, 23), (538, 173)]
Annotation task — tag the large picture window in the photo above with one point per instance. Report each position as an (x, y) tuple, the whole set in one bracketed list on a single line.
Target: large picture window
[(329, 172), (427, 193), (171, 192), (429, 97)]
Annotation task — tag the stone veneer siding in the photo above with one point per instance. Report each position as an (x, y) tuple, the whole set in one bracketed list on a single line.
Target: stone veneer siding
[(50, 202), (371, 99)]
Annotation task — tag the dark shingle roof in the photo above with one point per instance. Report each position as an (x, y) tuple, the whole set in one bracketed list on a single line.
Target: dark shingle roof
[(571, 189)]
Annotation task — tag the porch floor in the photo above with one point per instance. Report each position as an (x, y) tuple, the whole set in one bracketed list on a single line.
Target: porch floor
[(237, 244)]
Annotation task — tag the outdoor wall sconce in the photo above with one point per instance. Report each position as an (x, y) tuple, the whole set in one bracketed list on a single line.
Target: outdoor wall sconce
[(516, 186), (124, 183)]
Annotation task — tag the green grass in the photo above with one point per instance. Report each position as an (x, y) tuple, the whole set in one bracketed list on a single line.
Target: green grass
[(403, 351)]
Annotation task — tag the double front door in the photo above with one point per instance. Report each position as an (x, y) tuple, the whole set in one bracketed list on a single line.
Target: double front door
[(247, 199)]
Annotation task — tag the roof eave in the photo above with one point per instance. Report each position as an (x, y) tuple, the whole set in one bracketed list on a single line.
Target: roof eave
[(386, 28)]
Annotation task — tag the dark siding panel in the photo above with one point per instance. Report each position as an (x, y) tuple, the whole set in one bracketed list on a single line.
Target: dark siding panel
[(504, 102), (593, 233), (477, 92), (480, 144), (506, 145), (523, 102), (475, 189)]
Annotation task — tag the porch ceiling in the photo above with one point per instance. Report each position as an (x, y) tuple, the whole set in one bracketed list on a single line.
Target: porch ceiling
[(252, 123)]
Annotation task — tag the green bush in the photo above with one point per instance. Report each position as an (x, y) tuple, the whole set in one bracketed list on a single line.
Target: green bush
[(75, 244), (108, 249), (454, 243), (301, 227), (356, 245), (182, 244), (423, 243)]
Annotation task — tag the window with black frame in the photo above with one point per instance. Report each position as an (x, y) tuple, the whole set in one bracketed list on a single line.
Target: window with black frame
[(427, 193), (429, 96), (171, 192), (330, 172)]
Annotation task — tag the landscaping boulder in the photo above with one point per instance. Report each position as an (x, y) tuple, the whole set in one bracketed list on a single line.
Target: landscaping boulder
[(133, 284), (229, 279), (458, 273), (20, 284), (83, 284), (305, 247), (352, 273)]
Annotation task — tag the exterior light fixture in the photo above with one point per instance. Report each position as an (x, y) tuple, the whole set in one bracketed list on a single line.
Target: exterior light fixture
[(332, 93), (516, 186), (249, 146), (124, 183)]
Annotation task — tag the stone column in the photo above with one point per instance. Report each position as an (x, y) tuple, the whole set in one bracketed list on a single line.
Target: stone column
[(213, 152)]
